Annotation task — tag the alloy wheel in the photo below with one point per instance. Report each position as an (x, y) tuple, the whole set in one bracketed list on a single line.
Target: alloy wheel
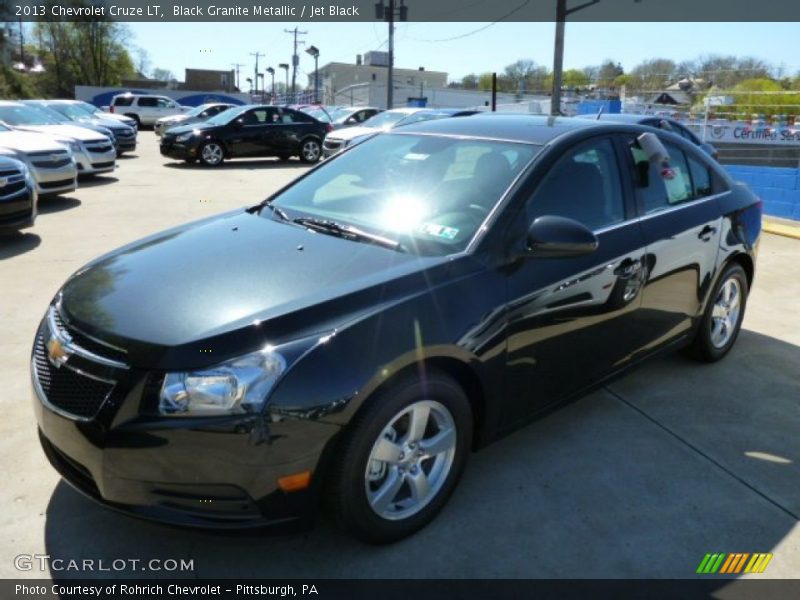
[(725, 314), (311, 151), (212, 154), (410, 460)]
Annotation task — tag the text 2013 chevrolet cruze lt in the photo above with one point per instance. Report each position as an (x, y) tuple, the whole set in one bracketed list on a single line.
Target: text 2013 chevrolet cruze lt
[(350, 340)]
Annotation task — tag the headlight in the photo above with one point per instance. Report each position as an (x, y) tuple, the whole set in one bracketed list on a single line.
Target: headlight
[(184, 137), (75, 146), (237, 386)]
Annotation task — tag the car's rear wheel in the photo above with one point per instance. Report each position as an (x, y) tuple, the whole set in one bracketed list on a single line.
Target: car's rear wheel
[(212, 154), (401, 458), (310, 150), (723, 317)]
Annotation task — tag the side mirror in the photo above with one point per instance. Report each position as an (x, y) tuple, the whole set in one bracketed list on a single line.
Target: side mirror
[(238, 123), (559, 237)]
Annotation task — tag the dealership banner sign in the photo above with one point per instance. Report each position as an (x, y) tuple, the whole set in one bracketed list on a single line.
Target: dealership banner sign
[(745, 133)]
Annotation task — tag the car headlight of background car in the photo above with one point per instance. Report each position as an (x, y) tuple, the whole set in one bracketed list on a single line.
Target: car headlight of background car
[(184, 137), (237, 386)]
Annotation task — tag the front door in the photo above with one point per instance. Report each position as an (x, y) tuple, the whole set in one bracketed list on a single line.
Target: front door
[(571, 321)]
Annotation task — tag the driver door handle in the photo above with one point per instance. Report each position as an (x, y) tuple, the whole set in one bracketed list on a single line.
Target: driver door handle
[(706, 233)]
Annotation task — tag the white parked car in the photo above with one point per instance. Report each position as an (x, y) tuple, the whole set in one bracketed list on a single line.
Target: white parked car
[(51, 164), (94, 152), (145, 109)]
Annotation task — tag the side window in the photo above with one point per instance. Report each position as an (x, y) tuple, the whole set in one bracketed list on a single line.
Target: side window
[(164, 103), (701, 178), (147, 101), (123, 101), (661, 186), (584, 185), (260, 116), (292, 116)]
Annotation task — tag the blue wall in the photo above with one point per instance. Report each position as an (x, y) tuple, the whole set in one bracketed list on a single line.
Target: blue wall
[(592, 107), (778, 187)]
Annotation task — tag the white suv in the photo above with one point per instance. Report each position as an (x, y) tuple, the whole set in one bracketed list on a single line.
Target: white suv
[(145, 109)]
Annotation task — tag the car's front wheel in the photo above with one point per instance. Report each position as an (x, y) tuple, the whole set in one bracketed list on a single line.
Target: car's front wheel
[(310, 150), (212, 154), (723, 317), (401, 458)]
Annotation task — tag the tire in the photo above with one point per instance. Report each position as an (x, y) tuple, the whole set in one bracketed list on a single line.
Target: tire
[(723, 317), (212, 154), (375, 500), (310, 150), (135, 118)]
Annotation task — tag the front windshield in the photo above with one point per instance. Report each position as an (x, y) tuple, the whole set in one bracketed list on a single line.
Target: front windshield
[(430, 193), (26, 115), (70, 111), (197, 110), (226, 116), (89, 108), (385, 119)]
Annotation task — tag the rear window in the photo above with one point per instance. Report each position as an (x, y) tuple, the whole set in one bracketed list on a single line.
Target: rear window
[(123, 101)]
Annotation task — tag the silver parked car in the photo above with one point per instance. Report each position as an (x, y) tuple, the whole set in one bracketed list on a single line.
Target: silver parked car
[(94, 153), (51, 164), (71, 110), (197, 115)]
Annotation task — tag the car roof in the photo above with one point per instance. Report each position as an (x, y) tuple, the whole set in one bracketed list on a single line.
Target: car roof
[(534, 129)]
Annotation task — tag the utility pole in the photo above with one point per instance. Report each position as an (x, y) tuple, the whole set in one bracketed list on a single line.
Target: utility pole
[(236, 66), (255, 71), (21, 43), (271, 72), (314, 51), (285, 67), (562, 12), (295, 59), (388, 14)]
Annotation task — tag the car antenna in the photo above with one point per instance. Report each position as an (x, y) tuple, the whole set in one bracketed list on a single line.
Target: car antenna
[(599, 113)]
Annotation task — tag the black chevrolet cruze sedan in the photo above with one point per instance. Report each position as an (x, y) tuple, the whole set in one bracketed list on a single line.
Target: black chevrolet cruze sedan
[(350, 340), (247, 131)]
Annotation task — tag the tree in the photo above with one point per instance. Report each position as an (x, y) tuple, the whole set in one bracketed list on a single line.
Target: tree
[(608, 72), (523, 74), (653, 74), (469, 82), (163, 74)]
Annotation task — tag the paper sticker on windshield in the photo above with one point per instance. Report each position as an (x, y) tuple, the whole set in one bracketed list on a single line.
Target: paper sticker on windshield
[(439, 231), (415, 156)]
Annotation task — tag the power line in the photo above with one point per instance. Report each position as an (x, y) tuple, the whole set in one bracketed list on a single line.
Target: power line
[(478, 30)]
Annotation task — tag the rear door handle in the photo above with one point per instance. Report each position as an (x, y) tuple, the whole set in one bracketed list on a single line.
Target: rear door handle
[(706, 233)]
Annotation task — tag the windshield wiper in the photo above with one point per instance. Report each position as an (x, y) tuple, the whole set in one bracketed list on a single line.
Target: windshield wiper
[(277, 210), (348, 232)]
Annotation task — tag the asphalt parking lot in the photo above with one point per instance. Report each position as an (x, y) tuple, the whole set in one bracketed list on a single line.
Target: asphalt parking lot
[(640, 479)]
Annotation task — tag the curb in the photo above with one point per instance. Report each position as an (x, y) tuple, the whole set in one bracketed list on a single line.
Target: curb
[(786, 230)]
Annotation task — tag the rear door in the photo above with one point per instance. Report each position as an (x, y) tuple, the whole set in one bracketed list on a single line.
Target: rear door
[(572, 321), (294, 126), (257, 134), (681, 225)]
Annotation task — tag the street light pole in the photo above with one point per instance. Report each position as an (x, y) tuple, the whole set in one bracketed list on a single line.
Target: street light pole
[(285, 67), (562, 12), (314, 51), (271, 72)]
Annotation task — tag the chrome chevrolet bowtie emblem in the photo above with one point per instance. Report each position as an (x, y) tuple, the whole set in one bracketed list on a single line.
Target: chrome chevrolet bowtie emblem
[(57, 353), (3, 181), (55, 157)]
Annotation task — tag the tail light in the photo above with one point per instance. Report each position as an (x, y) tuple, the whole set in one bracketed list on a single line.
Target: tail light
[(111, 109), (328, 127)]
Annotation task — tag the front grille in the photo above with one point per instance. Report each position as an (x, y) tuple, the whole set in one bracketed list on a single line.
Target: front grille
[(88, 343), (48, 154), (66, 389), (50, 164), (103, 165), (331, 144), (49, 185), (103, 148), (124, 133), (11, 189), (9, 173)]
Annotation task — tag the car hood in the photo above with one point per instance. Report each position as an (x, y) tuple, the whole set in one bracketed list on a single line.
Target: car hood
[(173, 119), (25, 141), (179, 129), (67, 131), (222, 276), (349, 133)]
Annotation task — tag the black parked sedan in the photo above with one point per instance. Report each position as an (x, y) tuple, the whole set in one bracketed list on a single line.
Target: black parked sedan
[(351, 339), (18, 199), (247, 131)]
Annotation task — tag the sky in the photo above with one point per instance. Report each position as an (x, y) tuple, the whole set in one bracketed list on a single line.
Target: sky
[(176, 46)]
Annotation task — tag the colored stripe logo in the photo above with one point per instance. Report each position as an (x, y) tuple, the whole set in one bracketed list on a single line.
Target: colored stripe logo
[(734, 563)]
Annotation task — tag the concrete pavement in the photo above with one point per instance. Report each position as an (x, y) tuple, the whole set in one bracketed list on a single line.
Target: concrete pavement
[(640, 479)]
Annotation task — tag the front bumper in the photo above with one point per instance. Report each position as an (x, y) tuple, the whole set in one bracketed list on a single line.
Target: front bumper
[(61, 179), (171, 149), (331, 147), (96, 160), (17, 209), (218, 472)]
